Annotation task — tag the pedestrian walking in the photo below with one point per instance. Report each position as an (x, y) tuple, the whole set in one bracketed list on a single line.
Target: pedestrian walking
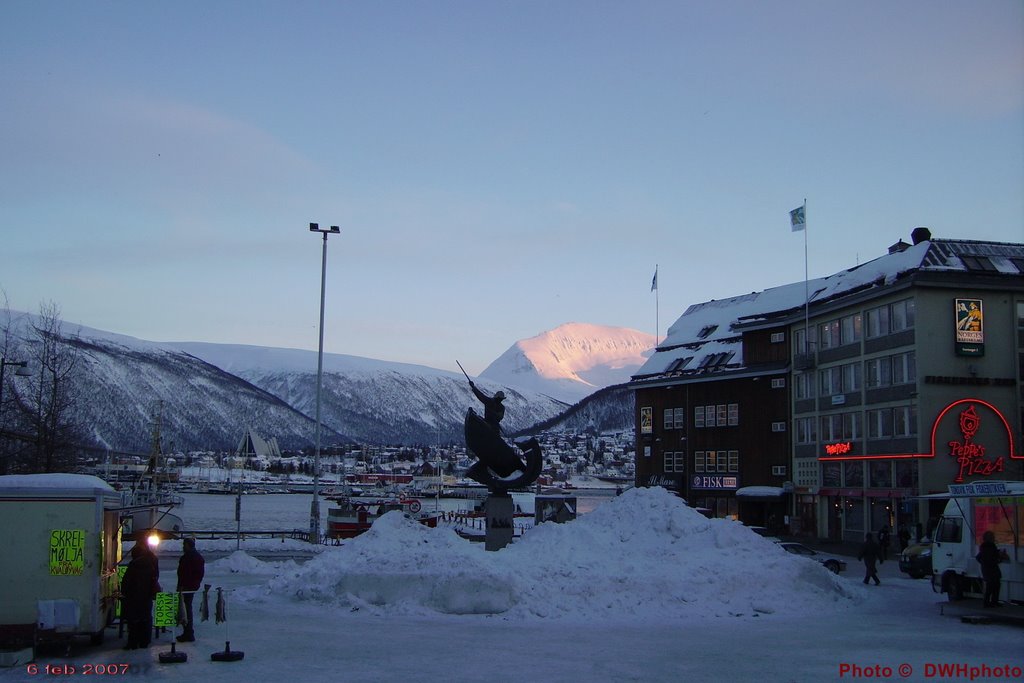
[(191, 569), (989, 556), (869, 552)]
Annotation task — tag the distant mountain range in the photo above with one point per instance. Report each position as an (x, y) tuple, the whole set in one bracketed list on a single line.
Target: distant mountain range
[(211, 393)]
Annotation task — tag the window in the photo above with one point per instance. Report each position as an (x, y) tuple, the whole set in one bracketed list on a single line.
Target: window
[(718, 415), (675, 462), (698, 461), (779, 383), (978, 263), (950, 530), (884, 320), (904, 368), (706, 331), (804, 385), (675, 418), (853, 427), (880, 423), (804, 340), (805, 431), (778, 426), (777, 337), (840, 379), (904, 421), (710, 461), (734, 461), (832, 427), (889, 370), (778, 470), (829, 334), (850, 329)]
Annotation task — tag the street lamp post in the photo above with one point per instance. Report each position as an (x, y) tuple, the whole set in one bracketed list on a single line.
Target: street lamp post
[(22, 371), (314, 509)]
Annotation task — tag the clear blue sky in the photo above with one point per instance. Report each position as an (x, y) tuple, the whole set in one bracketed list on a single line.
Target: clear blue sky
[(497, 168)]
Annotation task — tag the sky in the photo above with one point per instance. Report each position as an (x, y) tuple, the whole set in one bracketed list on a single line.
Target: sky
[(642, 588), (496, 169)]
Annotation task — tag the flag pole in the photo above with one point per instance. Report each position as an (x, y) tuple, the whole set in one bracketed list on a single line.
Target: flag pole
[(807, 296), (657, 321)]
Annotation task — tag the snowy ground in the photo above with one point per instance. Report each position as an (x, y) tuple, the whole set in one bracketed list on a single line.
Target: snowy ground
[(640, 589)]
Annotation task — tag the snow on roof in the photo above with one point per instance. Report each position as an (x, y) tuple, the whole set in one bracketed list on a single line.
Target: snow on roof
[(60, 480), (643, 551), (723, 316)]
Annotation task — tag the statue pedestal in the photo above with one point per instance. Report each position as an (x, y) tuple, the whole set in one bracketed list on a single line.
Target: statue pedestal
[(500, 515)]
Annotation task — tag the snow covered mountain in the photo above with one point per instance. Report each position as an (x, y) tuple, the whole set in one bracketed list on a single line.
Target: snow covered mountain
[(372, 400), (572, 360), (123, 382)]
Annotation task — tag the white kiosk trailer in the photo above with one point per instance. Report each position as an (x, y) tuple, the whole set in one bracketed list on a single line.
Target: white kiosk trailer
[(61, 542), (973, 509)]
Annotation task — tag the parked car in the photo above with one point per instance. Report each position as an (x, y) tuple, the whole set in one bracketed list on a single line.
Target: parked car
[(833, 563), (916, 560)]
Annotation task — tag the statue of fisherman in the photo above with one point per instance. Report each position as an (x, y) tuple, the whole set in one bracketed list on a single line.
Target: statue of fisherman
[(494, 409)]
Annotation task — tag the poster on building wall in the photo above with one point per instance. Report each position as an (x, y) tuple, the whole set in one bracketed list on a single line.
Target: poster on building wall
[(646, 420), (67, 552), (970, 327)]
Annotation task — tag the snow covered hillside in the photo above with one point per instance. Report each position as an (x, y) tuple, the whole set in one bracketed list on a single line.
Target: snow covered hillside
[(372, 400), (572, 360)]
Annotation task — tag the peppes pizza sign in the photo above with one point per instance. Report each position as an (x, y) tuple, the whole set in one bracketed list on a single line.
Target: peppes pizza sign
[(976, 437)]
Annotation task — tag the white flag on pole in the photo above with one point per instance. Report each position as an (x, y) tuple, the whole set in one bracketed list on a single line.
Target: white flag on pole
[(798, 218)]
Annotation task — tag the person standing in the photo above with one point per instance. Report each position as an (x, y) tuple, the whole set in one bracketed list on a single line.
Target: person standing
[(139, 587), (884, 538), (191, 569), (989, 556), (869, 552)]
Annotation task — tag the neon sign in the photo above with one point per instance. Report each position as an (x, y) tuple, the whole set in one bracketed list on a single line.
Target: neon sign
[(997, 437), (969, 455), (838, 448)]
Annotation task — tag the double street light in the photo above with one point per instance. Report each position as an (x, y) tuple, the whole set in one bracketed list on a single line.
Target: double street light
[(22, 371), (314, 510)]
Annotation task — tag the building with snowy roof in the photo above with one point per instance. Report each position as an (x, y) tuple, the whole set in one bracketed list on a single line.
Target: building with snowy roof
[(826, 407)]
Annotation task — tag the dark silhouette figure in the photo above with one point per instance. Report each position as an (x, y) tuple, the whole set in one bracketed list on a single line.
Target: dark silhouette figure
[(904, 538), (883, 543), (989, 556), (138, 589), (191, 569), (494, 409), (869, 552)]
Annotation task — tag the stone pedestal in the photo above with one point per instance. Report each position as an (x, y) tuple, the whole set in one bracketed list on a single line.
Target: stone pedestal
[(500, 516)]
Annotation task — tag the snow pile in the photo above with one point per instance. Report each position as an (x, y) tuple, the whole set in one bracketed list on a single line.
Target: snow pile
[(643, 553), (240, 562)]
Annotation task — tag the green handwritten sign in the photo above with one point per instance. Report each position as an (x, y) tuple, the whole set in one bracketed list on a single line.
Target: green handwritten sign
[(166, 612), (67, 552)]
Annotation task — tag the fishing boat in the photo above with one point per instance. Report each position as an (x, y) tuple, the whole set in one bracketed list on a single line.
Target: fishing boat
[(146, 506), (353, 516)]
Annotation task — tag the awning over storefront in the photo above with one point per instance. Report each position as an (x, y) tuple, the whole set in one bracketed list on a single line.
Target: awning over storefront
[(761, 493)]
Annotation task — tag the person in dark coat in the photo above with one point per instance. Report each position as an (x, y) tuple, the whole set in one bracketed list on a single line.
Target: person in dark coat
[(884, 539), (989, 556), (904, 538), (139, 587), (191, 569), (494, 409), (869, 552)]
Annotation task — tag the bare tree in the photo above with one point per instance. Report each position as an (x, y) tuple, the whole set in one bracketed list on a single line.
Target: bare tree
[(48, 407)]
